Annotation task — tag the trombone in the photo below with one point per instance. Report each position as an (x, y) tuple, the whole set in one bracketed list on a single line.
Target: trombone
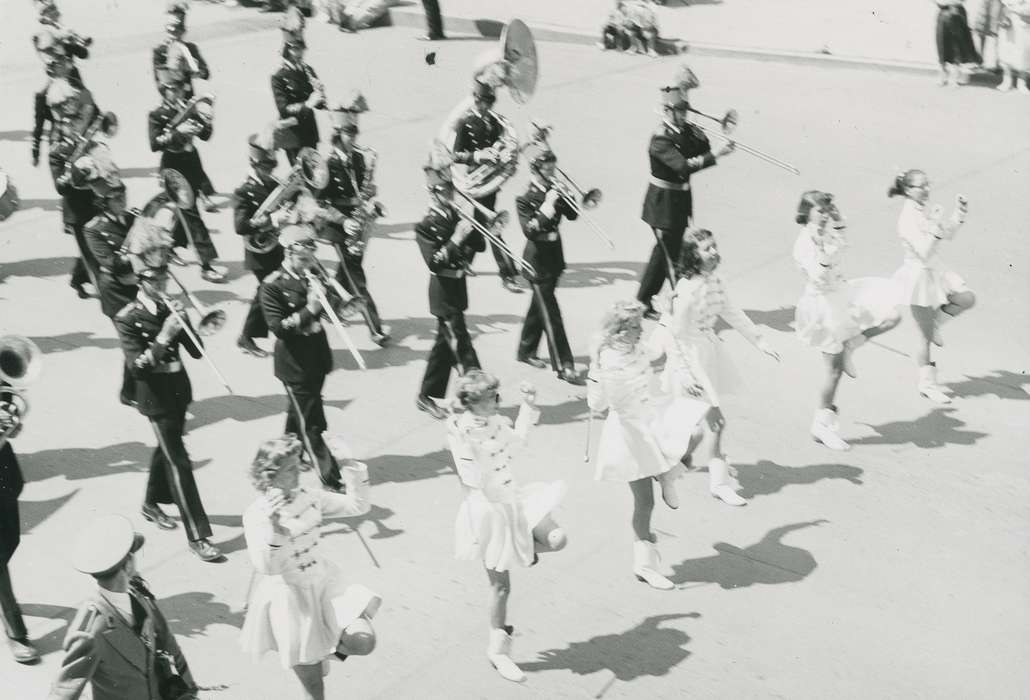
[(318, 278), (211, 321), (728, 122), (495, 220)]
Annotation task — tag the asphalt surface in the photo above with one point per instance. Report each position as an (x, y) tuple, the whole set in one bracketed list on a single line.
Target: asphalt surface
[(896, 570)]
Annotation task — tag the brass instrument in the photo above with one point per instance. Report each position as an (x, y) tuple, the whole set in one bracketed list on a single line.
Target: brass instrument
[(210, 322), (200, 110), (728, 123), (98, 163), (318, 279), (495, 222), (311, 171), (486, 178), (21, 363), (316, 85), (179, 195), (368, 209)]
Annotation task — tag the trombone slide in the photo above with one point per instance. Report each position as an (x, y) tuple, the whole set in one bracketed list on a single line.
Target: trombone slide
[(327, 307), (185, 324)]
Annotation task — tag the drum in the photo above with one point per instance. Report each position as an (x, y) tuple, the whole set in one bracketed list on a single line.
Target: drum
[(8, 196)]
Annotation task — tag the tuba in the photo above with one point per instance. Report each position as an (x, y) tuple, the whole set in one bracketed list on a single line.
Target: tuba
[(199, 110), (309, 172), (21, 363)]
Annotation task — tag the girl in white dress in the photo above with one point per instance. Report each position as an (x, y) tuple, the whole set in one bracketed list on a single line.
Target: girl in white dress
[(301, 607), (499, 522), (835, 315), (700, 299), (934, 293), (646, 433)]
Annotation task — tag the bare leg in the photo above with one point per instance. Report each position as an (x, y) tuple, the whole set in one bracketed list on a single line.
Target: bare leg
[(925, 318), (834, 370), (500, 588), (548, 536), (643, 506), (310, 677)]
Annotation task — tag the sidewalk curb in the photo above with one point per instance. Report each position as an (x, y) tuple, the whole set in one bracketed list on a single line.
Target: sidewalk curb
[(492, 28)]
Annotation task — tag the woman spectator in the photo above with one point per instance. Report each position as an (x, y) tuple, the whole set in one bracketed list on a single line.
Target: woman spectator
[(955, 50), (1014, 46)]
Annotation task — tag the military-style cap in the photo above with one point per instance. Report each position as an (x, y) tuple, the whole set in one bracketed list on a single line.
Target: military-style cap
[(538, 153), (344, 120), (261, 146), (177, 7), (103, 543), (292, 26), (294, 235), (150, 240), (483, 91), (45, 41), (686, 79), (47, 10), (104, 187), (673, 98), (176, 23), (437, 179), (60, 91)]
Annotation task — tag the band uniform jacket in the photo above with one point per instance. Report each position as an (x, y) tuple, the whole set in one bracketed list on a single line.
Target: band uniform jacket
[(475, 132), (346, 178), (674, 157), (11, 484), (246, 200), (116, 657), (544, 249), (77, 205), (177, 149), (105, 235), (160, 54), (292, 85), (43, 114), (302, 352), (159, 389), (446, 260)]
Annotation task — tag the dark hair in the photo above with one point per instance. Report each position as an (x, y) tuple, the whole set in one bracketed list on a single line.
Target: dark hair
[(813, 199), (689, 263), (903, 181)]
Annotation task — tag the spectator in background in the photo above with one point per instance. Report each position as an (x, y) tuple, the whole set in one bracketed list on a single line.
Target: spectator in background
[(955, 50), (632, 26), (434, 21), (988, 19), (1014, 46)]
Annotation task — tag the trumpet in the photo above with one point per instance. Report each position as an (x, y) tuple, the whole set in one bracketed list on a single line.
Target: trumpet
[(495, 222), (211, 321), (21, 363), (318, 278)]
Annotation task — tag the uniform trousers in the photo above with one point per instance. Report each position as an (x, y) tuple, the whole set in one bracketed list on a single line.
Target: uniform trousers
[(171, 475), (188, 163), (453, 348), (505, 267), (434, 20), (311, 422), (255, 326), (351, 274), (10, 536), (665, 253), (543, 308), (85, 268)]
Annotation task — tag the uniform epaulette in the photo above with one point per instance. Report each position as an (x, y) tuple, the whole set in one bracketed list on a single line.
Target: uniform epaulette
[(126, 310), (274, 277), (96, 221)]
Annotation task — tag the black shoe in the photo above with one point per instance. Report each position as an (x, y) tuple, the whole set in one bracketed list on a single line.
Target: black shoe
[(154, 514), (23, 651), (652, 315), (381, 339), (424, 403), (335, 488), (205, 550), (533, 361), (432, 37), (570, 375), (248, 346), (84, 290), (512, 285)]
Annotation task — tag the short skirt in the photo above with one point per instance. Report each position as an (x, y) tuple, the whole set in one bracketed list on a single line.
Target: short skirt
[(303, 620), (923, 285), (824, 320), (501, 533)]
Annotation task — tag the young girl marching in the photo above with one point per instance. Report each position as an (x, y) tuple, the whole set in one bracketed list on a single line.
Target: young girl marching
[(835, 315), (499, 522), (645, 434), (699, 301), (934, 292), (301, 607)]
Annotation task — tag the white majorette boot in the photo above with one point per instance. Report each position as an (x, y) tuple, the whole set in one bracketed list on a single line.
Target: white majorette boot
[(928, 385), (498, 651), (939, 319), (645, 566), (850, 345), (719, 483), (667, 481), (824, 429)]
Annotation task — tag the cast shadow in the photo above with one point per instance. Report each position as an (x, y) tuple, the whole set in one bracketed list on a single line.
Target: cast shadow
[(36, 267), (73, 341), (86, 463), (781, 319), (399, 469), (237, 542), (391, 230), (376, 515), (600, 273), (48, 204), (680, 4), (32, 513), (1000, 383), (190, 614), (244, 408), (768, 561), (766, 478), (936, 429), (572, 411), (209, 297), (649, 649), (16, 135), (127, 173), (54, 640)]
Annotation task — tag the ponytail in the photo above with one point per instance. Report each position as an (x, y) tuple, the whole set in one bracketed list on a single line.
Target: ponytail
[(901, 182)]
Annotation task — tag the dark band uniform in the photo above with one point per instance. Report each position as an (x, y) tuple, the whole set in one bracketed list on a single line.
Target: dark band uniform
[(77, 206), (43, 115), (11, 483), (247, 199), (346, 178), (448, 297), (668, 204), (179, 153), (163, 393), (476, 132), (302, 361), (291, 85), (160, 54), (545, 253)]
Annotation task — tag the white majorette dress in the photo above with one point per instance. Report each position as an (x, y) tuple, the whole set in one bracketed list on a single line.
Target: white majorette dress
[(300, 606), (495, 520), (646, 431), (924, 278), (833, 309)]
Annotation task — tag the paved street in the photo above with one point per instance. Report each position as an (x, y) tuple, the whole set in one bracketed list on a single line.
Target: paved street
[(896, 570)]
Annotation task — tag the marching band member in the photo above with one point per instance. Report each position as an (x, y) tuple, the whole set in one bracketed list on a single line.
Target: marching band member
[(303, 358), (57, 63), (105, 235), (247, 199), (77, 46), (350, 182), (176, 54), (301, 608), (644, 437), (700, 299), (835, 315), (934, 292), (499, 522), (477, 141), (151, 337), (677, 150), (75, 111), (447, 251), (297, 92), (541, 210), (178, 152)]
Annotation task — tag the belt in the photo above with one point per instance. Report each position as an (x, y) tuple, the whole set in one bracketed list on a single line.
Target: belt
[(453, 274), (347, 202), (666, 185), (167, 367), (314, 329), (550, 237)]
